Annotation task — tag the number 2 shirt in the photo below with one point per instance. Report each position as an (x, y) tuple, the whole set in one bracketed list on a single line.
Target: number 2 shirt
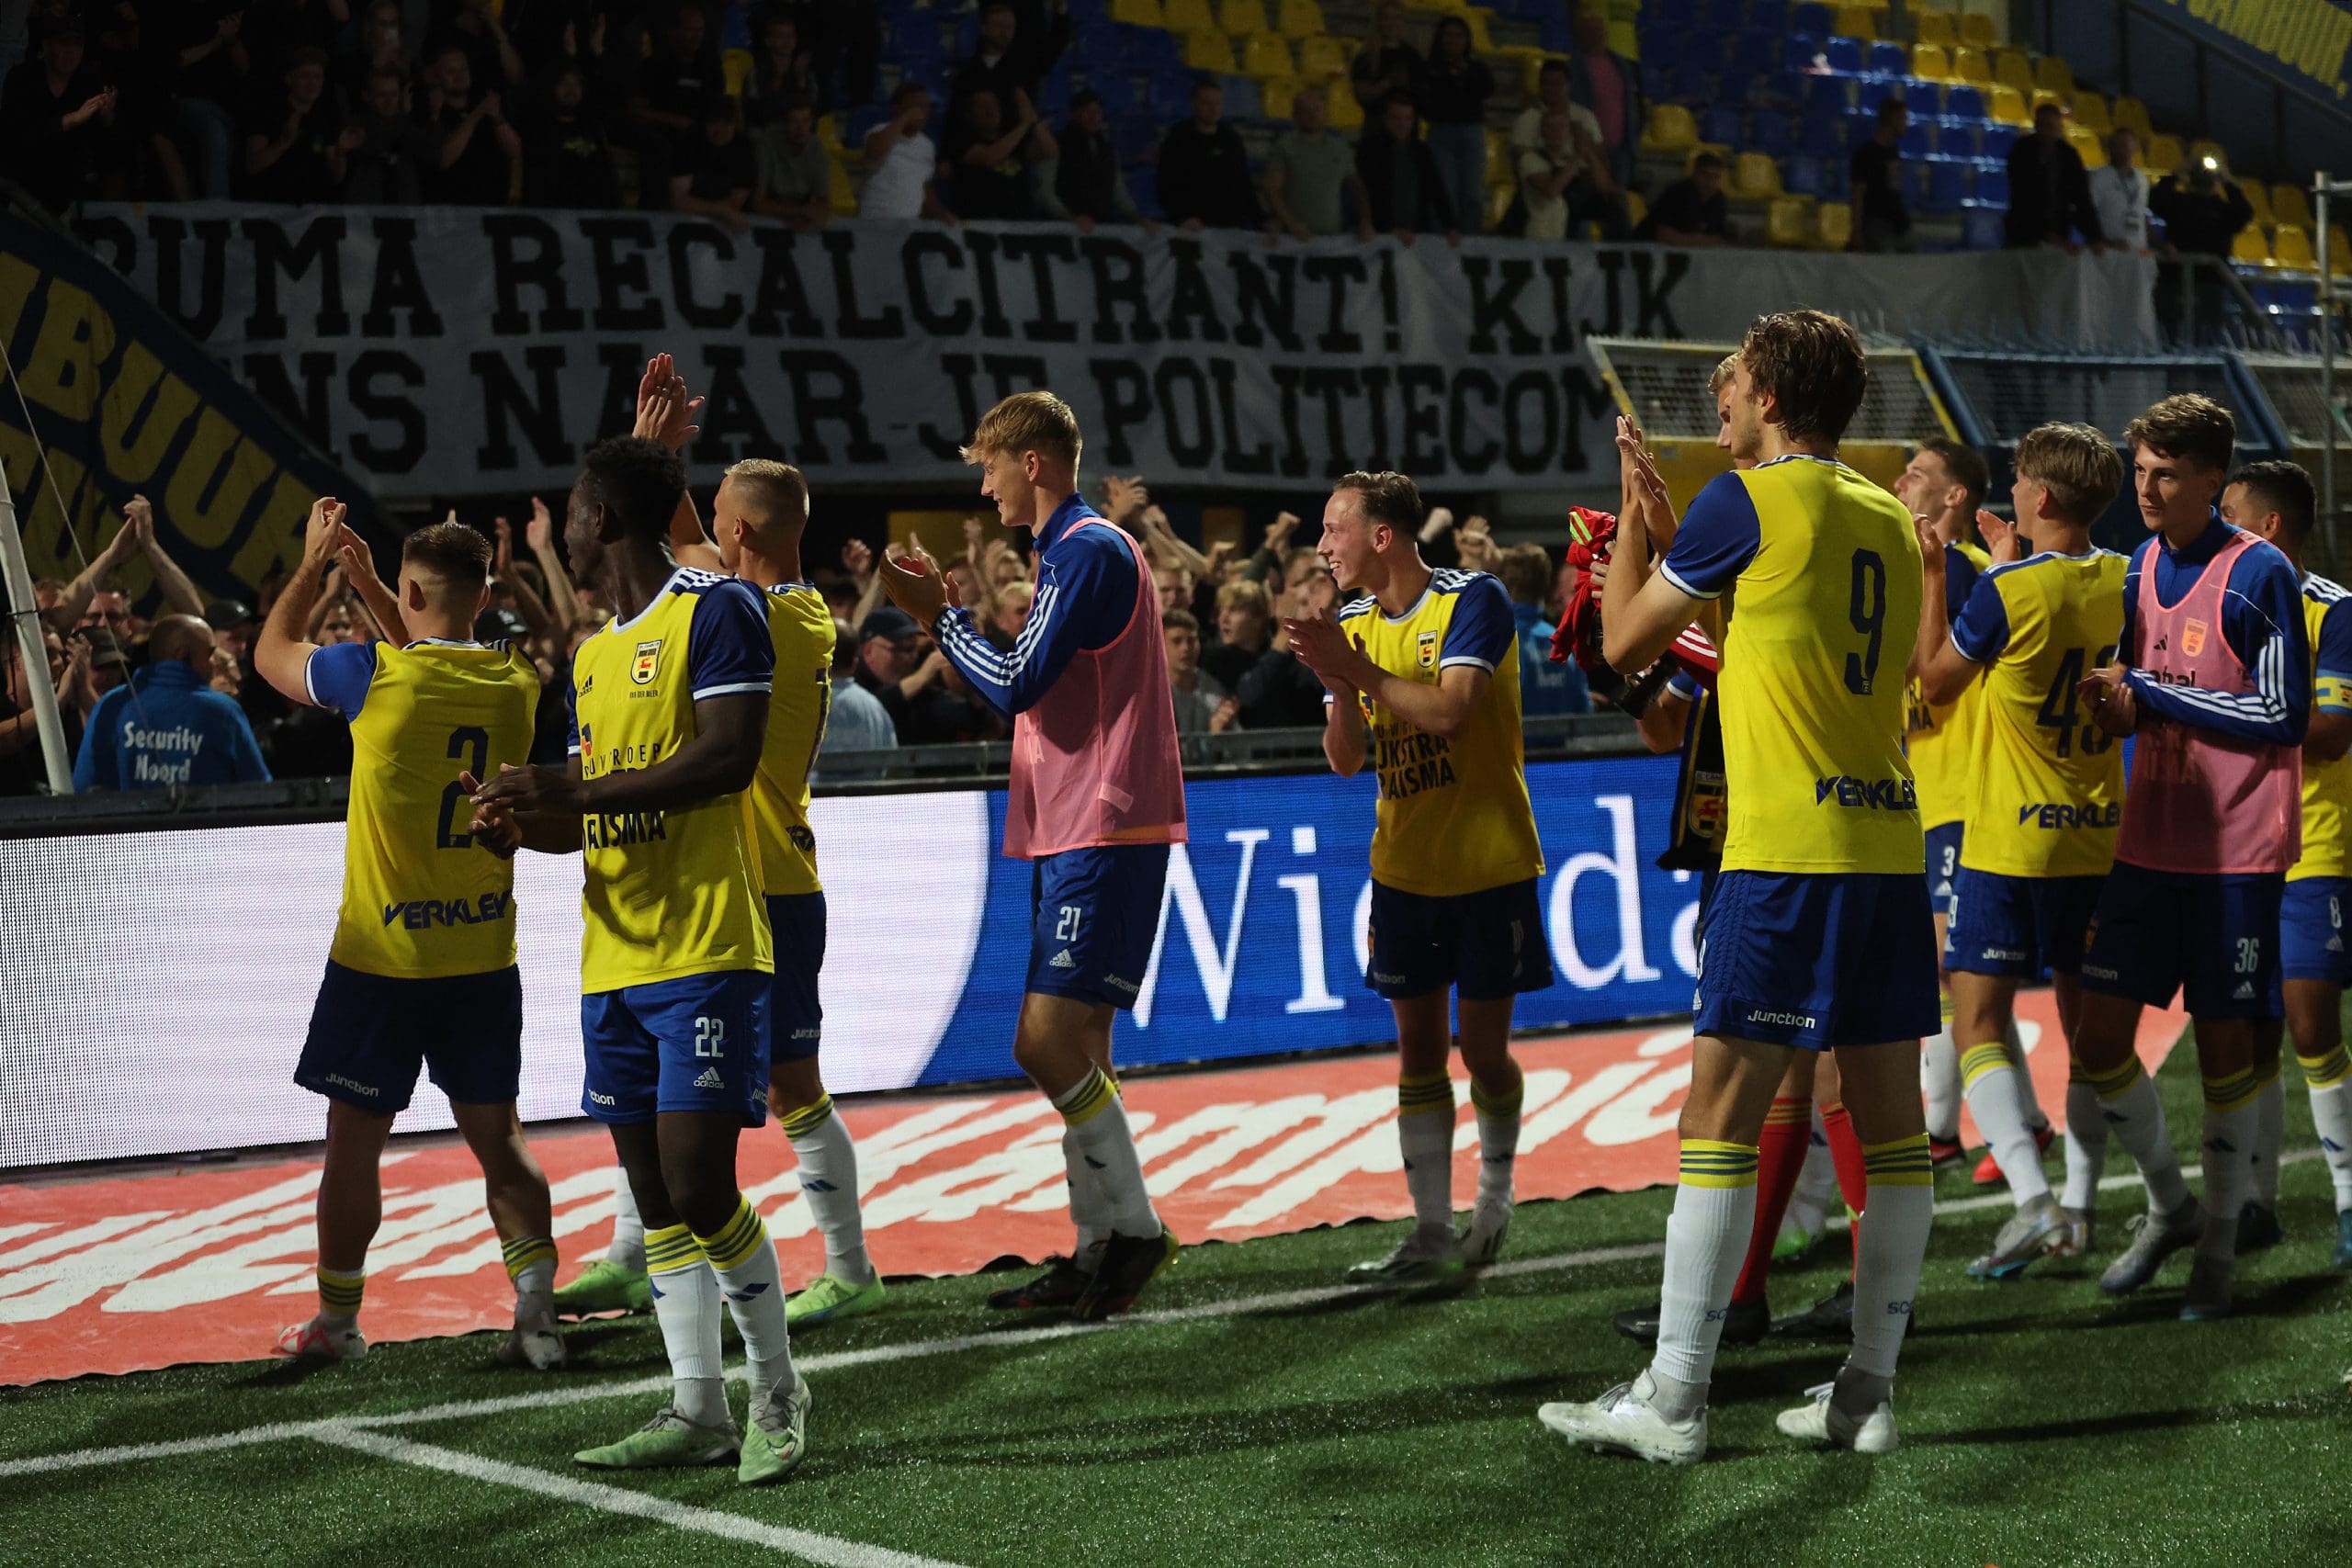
[(1822, 566)]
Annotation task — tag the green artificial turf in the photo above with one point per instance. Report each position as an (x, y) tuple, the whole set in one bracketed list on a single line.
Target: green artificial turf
[(2042, 1423)]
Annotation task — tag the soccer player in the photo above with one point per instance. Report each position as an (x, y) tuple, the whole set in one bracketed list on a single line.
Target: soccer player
[(1424, 685), (2047, 795), (670, 707), (1096, 798), (1818, 933), (2214, 675), (421, 970), (2275, 501)]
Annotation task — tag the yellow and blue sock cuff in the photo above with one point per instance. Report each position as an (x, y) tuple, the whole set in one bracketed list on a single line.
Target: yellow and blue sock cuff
[(2325, 1072), (2231, 1090), (737, 1239), (1904, 1162), (2114, 1080), (520, 1254), (1789, 1113), (670, 1248), (1502, 1107), (2267, 1072), (1976, 1061), (1944, 1007), (1431, 1094), (1091, 1097), (340, 1294), (1708, 1163), (809, 1118)]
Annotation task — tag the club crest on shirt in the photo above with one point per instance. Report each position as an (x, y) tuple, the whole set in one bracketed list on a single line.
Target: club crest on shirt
[(648, 658), (2192, 638), (1425, 649)]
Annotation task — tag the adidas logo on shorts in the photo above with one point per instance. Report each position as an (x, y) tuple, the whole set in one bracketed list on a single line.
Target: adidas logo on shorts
[(1062, 960), (710, 1080), (2244, 993)]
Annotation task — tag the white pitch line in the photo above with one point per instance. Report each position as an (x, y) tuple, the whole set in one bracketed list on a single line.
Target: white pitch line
[(911, 1349), (831, 1550)]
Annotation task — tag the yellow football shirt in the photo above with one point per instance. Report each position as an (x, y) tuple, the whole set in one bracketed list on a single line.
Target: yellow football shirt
[(672, 893), (419, 898), (1824, 569), (801, 624), (1941, 739), (2047, 794), (1453, 815), (2327, 786)]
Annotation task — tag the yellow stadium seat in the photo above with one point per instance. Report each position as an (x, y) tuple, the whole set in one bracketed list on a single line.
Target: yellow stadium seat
[(1530, 70), (1857, 21), (2289, 204), (2292, 245), (1498, 199), (2041, 95), (2339, 251), (1930, 63), (2054, 73), (1320, 57), (2131, 114), (1669, 129), (2011, 69), (1970, 65), (1187, 16), (1302, 19), (828, 134), (1977, 30), (1498, 169), (1267, 54), (736, 65), (2087, 147), (1789, 222), (2257, 196), (1346, 114), (2251, 248), (1836, 221), (1137, 13), (1243, 18), (1754, 177), (2090, 112), (1636, 208), (1277, 94), (2162, 155), (1934, 27), (2007, 107), (1209, 51)]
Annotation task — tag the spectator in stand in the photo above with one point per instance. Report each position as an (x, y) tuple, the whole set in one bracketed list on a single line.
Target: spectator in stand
[(387, 164), (2119, 193), (1607, 85), (568, 156), (1543, 687), (2049, 197), (901, 161), (1551, 92), (942, 709), (1203, 706), (1693, 210), (1563, 182), (209, 87), (889, 657), (782, 74), (1404, 193), (1010, 60), (793, 174), (857, 721), (2203, 210), (1009, 608), (377, 43), (473, 26), (1881, 218), (714, 178), (1085, 185), (296, 145), (1204, 170), (1273, 689), (475, 161), (1310, 175), (169, 728), (989, 154), (665, 108), (1386, 63), (57, 122), (23, 769), (1455, 90)]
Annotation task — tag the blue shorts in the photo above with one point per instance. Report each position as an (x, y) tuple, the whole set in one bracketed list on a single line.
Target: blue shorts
[(1818, 959), (1095, 913), (2311, 930), (1943, 862), (2020, 926), (369, 1033), (2211, 937), (795, 1015), (1486, 945), (696, 1043)]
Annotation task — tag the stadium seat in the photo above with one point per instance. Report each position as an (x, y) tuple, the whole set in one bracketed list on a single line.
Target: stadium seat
[(1857, 21), (1835, 229), (1169, 94), (1970, 65), (1962, 101), (1812, 19), (1302, 19), (1268, 54), (2008, 107), (1346, 114), (1826, 96), (1206, 50), (1137, 13), (1787, 223), (2257, 196), (1669, 129), (2054, 72), (2087, 147), (1754, 177), (1993, 186), (1187, 16), (1769, 133), (2090, 112), (1994, 141), (2041, 95), (2290, 245), (1321, 57), (1498, 165), (1277, 94), (2163, 155), (1243, 18), (2011, 69), (1241, 99), (1690, 83), (1823, 136), (2131, 114), (736, 66), (1918, 139), (1977, 29), (1947, 185), (1889, 59), (2250, 248), (1930, 63), (1958, 138), (1805, 174), (1924, 99), (1722, 123), (1934, 28), (2289, 204), (1843, 56)]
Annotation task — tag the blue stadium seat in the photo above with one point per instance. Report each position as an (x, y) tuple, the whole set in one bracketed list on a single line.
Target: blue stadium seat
[(1734, 84), (1996, 140), (1134, 134), (1982, 229), (1769, 133), (1143, 184), (1805, 174), (1772, 14), (1813, 18), (1825, 95), (1759, 49), (1241, 98), (1781, 90), (1947, 185), (1655, 82), (1721, 124), (1554, 32), (1992, 186), (1154, 50), (916, 43), (1890, 59), (1823, 136), (1170, 93), (1688, 84), (1963, 102), (1918, 141), (1105, 45), (1053, 95), (1924, 99), (1844, 56), (1725, 16), (1956, 137)]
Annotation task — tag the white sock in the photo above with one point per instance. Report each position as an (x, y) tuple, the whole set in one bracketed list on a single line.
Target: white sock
[(627, 1247), (2269, 1131), (1498, 1145), (1089, 1205), (1099, 1123), (744, 1259), (2029, 1102), (1817, 1181), (1894, 1245), (828, 1161), (686, 1303), (1425, 1114), (1993, 1100), (1706, 1240), (2136, 1118), (2085, 1147), (2229, 1172), (530, 1264), (1940, 1079), (2332, 1116)]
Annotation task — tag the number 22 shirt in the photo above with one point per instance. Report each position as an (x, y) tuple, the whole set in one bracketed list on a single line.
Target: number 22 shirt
[(1822, 566)]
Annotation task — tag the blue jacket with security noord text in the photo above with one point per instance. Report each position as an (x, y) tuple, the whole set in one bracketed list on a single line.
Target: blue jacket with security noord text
[(166, 727)]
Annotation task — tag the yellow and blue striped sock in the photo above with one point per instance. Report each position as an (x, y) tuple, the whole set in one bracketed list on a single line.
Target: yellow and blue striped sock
[(1706, 1238), (2269, 1129), (744, 1260), (685, 1306), (2135, 1118), (827, 1168), (1425, 1115), (1498, 1117), (1900, 1203), (2329, 1077), (797, 1124), (530, 1264), (1096, 1126), (1939, 1076), (340, 1294), (2230, 1137), (1990, 1080)]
